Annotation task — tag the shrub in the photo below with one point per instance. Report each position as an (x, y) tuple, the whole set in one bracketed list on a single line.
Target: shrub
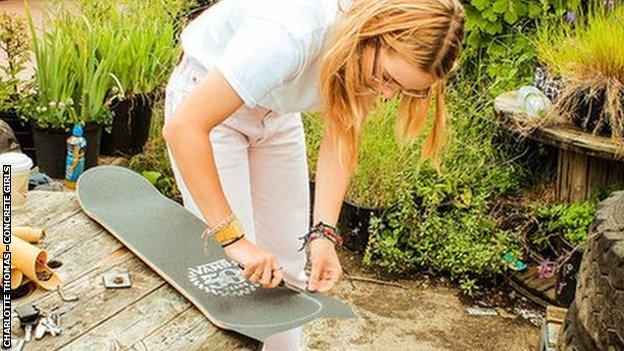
[(383, 163), (565, 221), (72, 82), (14, 44)]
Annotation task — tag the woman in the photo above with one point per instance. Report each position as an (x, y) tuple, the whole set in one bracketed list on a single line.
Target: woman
[(233, 125)]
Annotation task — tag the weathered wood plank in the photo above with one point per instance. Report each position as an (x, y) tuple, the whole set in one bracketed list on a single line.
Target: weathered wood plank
[(96, 303), (84, 258), (72, 231), (61, 239), (190, 330), (135, 321), (45, 209), (586, 162)]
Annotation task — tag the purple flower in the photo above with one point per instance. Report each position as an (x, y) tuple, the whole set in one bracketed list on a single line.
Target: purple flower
[(545, 269), (570, 16)]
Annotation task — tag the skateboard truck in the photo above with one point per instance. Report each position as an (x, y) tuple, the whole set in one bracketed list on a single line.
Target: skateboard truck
[(116, 280)]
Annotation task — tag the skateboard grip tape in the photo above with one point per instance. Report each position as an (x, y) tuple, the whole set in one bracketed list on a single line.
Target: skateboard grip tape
[(31, 260), (30, 234)]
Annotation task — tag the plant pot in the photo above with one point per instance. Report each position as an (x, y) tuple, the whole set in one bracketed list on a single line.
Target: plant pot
[(23, 132), (131, 125), (353, 222), (51, 147)]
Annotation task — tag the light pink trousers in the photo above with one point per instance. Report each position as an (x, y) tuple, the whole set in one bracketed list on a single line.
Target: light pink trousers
[(262, 165)]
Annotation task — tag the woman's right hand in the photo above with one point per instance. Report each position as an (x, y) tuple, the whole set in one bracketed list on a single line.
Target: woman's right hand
[(261, 267)]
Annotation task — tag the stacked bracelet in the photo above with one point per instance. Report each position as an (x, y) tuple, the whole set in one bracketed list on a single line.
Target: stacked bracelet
[(321, 230), (226, 233)]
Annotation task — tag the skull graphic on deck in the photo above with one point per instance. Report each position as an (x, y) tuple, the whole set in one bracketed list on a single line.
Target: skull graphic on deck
[(222, 278)]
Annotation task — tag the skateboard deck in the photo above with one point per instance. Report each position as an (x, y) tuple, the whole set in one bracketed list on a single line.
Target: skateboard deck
[(167, 237)]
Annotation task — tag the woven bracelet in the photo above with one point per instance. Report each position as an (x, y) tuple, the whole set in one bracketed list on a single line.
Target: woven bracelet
[(321, 230)]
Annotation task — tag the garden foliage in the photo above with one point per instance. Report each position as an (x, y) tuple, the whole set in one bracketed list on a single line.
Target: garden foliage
[(498, 41), (14, 47), (93, 53)]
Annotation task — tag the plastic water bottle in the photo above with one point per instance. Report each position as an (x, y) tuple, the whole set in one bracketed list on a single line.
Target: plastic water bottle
[(75, 161)]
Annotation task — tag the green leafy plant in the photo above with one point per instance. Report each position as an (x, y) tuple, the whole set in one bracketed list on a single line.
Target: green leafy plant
[(383, 163), (14, 44), (144, 47), (566, 221), (438, 221), (498, 44), (73, 84)]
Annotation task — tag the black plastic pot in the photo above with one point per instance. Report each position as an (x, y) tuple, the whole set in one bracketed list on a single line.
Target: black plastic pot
[(23, 132), (51, 147), (131, 125), (353, 222)]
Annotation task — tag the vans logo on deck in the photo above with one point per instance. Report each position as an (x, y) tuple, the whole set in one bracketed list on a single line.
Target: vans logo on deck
[(222, 278)]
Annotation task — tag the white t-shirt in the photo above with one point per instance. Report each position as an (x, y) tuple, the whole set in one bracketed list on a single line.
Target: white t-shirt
[(269, 51)]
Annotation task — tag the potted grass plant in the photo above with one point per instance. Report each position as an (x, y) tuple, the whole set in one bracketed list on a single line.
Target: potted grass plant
[(14, 46), (145, 52), (72, 86), (384, 165), (589, 58)]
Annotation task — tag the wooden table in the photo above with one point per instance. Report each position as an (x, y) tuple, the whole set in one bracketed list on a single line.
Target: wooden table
[(585, 162), (150, 313)]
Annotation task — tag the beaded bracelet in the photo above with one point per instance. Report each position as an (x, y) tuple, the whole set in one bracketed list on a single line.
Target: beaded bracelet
[(321, 230)]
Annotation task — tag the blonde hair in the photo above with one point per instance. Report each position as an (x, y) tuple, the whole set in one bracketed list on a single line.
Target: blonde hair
[(427, 34)]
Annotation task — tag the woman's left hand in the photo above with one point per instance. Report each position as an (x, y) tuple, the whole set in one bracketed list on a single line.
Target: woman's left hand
[(325, 266)]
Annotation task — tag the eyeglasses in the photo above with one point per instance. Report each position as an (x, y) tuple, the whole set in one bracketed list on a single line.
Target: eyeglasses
[(389, 82)]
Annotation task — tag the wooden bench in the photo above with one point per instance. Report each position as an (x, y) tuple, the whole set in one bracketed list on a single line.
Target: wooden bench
[(585, 162)]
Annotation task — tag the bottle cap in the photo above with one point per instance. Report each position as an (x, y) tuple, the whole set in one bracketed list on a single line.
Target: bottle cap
[(77, 131), (18, 161)]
